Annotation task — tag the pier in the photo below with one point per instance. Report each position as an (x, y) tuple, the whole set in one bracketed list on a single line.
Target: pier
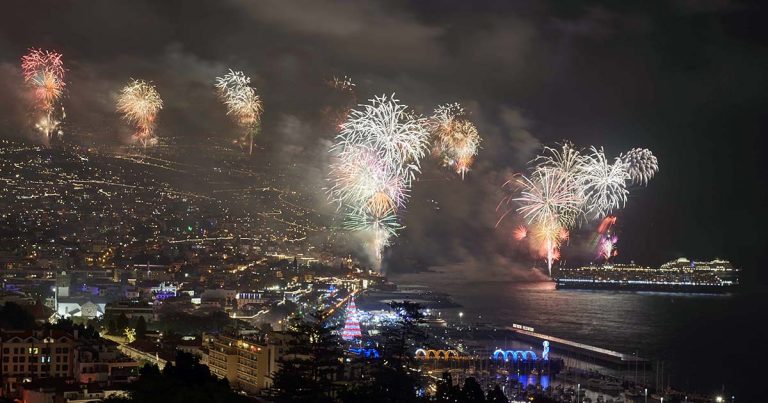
[(567, 346)]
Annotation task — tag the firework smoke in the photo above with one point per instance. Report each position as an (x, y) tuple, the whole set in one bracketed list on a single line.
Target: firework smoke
[(44, 74), (341, 103), (139, 103), (242, 103)]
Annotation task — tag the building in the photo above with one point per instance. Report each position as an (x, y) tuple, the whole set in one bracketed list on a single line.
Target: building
[(101, 362), (247, 363), (131, 310), (62, 390), (35, 354)]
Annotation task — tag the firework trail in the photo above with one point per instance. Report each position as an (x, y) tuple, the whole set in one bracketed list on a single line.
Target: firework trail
[(549, 235), (606, 224), (139, 102), (242, 103), (641, 164), (378, 151), (44, 73), (456, 140)]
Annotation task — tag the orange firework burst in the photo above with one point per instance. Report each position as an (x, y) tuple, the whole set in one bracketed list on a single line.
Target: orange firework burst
[(520, 233), (44, 73), (456, 138)]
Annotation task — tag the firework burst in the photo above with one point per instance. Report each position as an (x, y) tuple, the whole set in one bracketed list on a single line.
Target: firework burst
[(549, 195), (44, 73), (567, 187), (242, 103), (604, 183), (641, 165), (377, 157), (456, 139), (139, 102)]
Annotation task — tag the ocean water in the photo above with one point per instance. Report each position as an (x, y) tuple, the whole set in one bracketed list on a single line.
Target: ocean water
[(708, 343)]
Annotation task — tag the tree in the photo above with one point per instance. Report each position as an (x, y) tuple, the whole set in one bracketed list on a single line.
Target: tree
[(396, 381), (496, 395), (13, 316), (409, 317), (121, 322), (186, 382), (141, 328), (472, 391), (446, 391), (312, 360)]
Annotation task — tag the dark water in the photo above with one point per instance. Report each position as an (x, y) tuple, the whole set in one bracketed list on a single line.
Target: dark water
[(706, 341)]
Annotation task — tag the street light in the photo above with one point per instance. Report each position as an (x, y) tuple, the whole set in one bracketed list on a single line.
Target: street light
[(646, 395), (578, 392), (719, 399)]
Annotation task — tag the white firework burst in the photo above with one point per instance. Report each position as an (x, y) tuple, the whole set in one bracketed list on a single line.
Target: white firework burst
[(641, 164), (604, 184), (549, 196), (386, 127)]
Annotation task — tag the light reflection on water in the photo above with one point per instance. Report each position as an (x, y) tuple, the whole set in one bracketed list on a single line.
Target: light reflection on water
[(683, 330)]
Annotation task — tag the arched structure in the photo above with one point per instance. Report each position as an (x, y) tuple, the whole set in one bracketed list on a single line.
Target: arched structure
[(436, 354), (514, 355), (365, 352)]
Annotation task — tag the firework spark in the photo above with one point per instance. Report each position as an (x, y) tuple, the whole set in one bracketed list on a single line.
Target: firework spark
[(456, 138), (641, 164), (44, 73), (139, 102), (242, 103), (377, 151), (341, 102)]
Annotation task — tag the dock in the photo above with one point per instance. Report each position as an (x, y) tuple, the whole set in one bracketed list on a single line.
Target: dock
[(560, 345)]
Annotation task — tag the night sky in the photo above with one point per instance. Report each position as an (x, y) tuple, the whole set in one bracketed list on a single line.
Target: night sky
[(686, 79)]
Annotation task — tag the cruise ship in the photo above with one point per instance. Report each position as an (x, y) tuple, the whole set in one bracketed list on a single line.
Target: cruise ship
[(680, 275)]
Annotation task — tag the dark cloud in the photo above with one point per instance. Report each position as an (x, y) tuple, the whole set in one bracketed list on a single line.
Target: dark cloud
[(684, 78)]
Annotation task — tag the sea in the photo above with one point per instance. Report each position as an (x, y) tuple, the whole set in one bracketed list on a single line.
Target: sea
[(705, 343)]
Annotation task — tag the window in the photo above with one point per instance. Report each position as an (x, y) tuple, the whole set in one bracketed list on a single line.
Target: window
[(65, 367), (58, 350), (15, 359), (6, 358), (65, 350), (6, 350), (33, 350)]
